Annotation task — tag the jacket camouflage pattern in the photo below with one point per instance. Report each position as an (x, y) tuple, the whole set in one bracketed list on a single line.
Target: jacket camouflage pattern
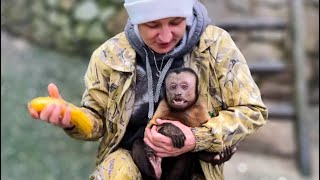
[(233, 98)]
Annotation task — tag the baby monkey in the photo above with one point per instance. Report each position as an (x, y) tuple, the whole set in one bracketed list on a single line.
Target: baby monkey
[(182, 103)]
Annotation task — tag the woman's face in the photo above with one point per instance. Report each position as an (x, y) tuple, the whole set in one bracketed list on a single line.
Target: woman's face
[(164, 34)]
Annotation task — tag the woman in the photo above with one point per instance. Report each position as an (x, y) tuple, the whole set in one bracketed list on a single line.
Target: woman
[(123, 87)]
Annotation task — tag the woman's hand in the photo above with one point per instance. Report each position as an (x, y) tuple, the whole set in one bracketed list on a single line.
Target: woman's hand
[(52, 113), (163, 146)]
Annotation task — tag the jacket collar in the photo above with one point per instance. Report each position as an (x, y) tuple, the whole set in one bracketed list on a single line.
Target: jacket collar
[(123, 56), (208, 38)]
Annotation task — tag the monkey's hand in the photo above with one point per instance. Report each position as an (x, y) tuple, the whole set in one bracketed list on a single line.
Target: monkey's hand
[(174, 133), (219, 157)]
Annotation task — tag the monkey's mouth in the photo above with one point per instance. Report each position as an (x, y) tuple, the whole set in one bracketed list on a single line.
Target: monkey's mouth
[(179, 101)]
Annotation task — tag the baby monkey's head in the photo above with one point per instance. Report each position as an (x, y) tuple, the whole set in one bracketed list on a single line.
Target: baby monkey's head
[(181, 86)]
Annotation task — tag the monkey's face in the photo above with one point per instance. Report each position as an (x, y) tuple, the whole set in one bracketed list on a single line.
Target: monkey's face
[(180, 90)]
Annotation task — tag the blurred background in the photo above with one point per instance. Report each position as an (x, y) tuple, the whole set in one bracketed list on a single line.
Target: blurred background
[(52, 40)]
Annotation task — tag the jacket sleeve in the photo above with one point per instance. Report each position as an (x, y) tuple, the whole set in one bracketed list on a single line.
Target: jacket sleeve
[(94, 99), (243, 111)]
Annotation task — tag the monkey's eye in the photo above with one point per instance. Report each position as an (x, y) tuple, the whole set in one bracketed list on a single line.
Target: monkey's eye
[(184, 86), (173, 86)]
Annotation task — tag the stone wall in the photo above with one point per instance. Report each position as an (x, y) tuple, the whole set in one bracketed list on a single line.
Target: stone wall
[(275, 45), (76, 26), (274, 42)]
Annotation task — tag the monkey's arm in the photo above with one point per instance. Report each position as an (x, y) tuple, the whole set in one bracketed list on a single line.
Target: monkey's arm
[(243, 110), (149, 168)]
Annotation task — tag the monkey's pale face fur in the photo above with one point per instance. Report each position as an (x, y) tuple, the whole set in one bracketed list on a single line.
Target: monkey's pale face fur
[(181, 90)]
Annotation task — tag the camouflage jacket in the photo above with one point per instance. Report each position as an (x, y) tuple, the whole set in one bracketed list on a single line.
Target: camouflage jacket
[(233, 98)]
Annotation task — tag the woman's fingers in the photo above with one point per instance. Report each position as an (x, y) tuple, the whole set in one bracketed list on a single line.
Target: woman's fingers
[(158, 142), (159, 139), (162, 121), (46, 112), (33, 113), (53, 91), (65, 122), (52, 113), (157, 149), (55, 116)]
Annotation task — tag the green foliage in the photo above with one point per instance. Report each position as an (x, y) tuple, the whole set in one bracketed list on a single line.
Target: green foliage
[(31, 149)]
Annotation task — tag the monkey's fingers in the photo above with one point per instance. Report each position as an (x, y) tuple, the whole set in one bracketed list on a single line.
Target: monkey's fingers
[(229, 151), (216, 159), (177, 142), (226, 153), (219, 158)]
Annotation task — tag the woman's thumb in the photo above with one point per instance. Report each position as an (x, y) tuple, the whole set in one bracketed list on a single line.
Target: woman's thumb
[(53, 91), (158, 121), (161, 121)]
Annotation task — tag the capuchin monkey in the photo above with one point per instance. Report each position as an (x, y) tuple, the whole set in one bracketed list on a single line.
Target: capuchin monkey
[(182, 103)]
